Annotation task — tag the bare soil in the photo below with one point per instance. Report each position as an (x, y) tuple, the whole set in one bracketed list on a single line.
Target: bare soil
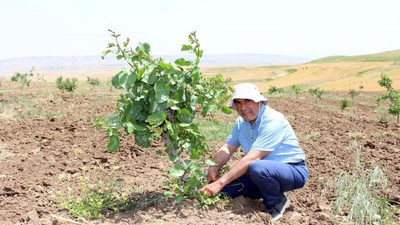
[(47, 145)]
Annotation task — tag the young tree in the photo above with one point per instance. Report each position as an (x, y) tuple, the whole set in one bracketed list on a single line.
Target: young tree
[(23, 78), (344, 103), (392, 95), (316, 92), (274, 89), (93, 82), (297, 89), (160, 101), (353, 93), (67, 84)]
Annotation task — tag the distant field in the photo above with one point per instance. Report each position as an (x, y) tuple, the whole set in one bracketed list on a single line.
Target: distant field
[(339, 73), (340, 76)]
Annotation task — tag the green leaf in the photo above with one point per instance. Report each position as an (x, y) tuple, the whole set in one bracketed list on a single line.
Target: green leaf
[(129, 127), (115, 81), (176, 171), (143, 47), (133, 127), (186, 48), (193, 183), (173, 158), (152, 77), (210, 162), (179, 199), (186, 164), (165, 66), (226, 109), (156, 118), (182, 62), (177, 96), (113, 143), (133, 109), (130, 80), (184, 116), (143, 139), (167, 194), (162, 90), (122, 78)]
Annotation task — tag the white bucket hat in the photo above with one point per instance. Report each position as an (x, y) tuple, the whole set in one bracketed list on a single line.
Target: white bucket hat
[(246, 91)]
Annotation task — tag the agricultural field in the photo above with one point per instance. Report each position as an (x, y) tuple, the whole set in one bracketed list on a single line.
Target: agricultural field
[(50, 153)]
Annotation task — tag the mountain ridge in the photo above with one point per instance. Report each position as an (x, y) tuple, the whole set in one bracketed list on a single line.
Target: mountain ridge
[(62, 64)]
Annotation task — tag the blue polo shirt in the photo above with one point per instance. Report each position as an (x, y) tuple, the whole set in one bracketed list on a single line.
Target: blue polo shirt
[(270, 132)]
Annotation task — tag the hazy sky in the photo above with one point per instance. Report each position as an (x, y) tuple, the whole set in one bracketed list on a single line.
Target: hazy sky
[(308, 28)]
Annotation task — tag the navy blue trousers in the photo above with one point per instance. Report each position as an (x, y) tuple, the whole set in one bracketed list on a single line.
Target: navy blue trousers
[(268, 180)]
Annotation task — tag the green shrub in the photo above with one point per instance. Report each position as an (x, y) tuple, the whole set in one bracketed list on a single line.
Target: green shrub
[(160, 100), (23, 78), (292, 70), (361, 195), (274, 89), (297, 90), (345, 103), (316, 92), (93, 82), (392, 95), (68, 85), (353, 93)]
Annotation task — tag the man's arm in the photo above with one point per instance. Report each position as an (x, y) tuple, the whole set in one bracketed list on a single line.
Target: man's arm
[(237, 171), (221, 158)]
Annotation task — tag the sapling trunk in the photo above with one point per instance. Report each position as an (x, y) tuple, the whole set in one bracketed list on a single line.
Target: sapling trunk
[(168, 142)]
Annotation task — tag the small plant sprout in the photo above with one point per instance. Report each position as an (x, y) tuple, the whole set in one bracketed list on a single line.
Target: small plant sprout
[(392, 95)]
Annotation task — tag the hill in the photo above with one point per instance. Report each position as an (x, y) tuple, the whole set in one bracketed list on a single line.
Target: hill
[(95, 66), (388, 56), (339, 73)]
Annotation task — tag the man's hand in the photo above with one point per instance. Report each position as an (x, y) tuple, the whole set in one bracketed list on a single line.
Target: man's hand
[(212, 189), (212, 174)]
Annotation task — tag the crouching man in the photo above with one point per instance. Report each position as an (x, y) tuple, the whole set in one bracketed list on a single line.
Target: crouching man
[(273, 164)]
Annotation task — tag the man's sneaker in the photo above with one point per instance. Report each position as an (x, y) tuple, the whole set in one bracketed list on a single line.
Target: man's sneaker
[(279, 208)]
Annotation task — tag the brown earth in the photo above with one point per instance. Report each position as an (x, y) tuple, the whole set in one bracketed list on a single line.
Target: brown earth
[(47, 145)]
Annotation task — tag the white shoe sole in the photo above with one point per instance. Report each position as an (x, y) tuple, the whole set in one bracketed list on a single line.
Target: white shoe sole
[(283, 210)]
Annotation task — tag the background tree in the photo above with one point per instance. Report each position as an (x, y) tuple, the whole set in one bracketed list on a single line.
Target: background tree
[(316, 92), (344, 103), (353, 93), (297, 90), (392, 95), (23, 78), (68, 85), (93, 82)]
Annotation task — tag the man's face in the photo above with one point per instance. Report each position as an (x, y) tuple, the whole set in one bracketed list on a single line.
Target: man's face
[(247, 109)]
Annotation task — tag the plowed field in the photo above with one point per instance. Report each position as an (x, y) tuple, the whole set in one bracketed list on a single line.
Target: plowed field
[(47, 145)]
